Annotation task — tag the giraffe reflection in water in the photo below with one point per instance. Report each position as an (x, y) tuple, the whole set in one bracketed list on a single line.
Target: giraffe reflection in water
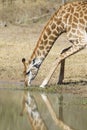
[(29, 106), (57, 120)]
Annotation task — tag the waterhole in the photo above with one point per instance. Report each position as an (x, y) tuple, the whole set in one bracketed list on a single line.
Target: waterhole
[(26, 110)]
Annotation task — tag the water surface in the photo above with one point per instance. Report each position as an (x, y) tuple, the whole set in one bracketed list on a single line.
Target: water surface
[(60, 111)]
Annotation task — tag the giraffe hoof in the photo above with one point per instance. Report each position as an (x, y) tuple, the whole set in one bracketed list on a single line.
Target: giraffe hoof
[(59, 82), (43, 85)]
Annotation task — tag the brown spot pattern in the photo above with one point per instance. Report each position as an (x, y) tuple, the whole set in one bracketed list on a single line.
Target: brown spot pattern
[(76, 14), (44, 36), (48, 31), (45, 42), (55, 33), (82, 21), (51, 37), (81, 14), (70, 19), (85, 17), (74, 25), (41, 47), (53, 26), (75, 20)]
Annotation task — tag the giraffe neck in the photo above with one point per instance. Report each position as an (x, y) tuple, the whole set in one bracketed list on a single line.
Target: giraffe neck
[(50, 33), (34, 116), (66, 19)]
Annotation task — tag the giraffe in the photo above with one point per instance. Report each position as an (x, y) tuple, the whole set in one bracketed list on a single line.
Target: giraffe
[(71, 18), (29, 106)]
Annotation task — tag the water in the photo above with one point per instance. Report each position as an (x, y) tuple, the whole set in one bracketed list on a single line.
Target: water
[(55, 111)]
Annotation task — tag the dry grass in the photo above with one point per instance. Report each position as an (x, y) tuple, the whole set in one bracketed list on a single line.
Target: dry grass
[(19, 12)]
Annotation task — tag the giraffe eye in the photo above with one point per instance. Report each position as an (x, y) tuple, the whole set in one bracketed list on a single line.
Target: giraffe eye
[(37, 66), (28, 73), (33, 61)]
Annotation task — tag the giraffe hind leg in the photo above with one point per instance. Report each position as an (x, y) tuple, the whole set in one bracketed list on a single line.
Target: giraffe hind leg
[(62, 67), (61, 74)]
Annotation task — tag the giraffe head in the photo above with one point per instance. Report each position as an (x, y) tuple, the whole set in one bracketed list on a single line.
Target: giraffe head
[(31, 69)]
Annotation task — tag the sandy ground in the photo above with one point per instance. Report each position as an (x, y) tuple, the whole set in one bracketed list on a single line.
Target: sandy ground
[(17, 42)]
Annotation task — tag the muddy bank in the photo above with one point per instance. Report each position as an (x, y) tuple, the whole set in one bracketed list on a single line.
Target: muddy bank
[(76, 88)]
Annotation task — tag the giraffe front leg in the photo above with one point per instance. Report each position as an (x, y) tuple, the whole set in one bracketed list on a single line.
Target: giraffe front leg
[(72, 50), (44, 83)]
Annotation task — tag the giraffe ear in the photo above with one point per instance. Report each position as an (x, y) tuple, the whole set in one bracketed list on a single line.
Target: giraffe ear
[(23, 60), (24, 63)]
